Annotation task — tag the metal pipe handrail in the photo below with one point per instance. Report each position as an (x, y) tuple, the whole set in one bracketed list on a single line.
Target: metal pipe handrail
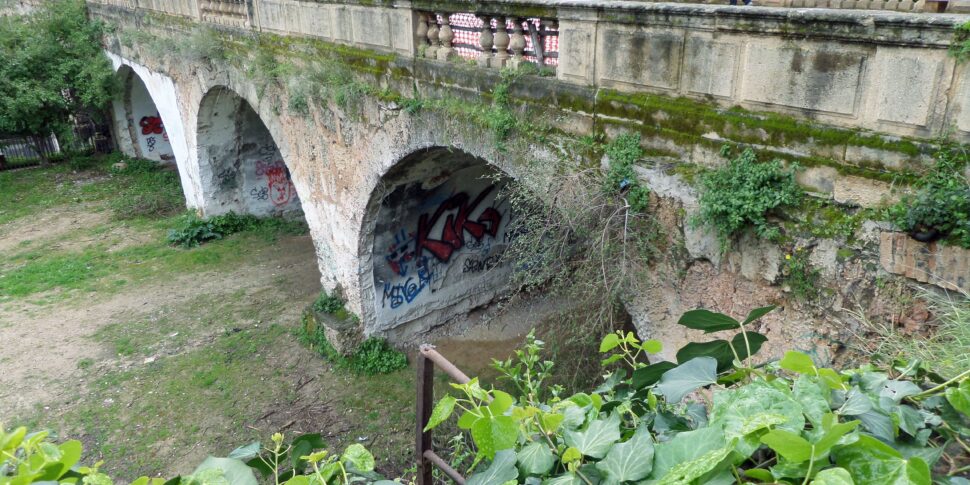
[(428, 358)]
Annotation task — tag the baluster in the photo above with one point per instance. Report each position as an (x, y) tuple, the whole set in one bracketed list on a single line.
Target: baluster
[(421, 33), (485, 41), (432, 49), (445, 36), (517, 44), (548, 26), (501, 43)]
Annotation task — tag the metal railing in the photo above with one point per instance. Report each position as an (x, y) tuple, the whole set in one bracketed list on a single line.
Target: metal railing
[(428, 358)]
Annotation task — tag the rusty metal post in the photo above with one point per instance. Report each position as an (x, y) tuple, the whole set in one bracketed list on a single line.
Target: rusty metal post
[(425, 403)]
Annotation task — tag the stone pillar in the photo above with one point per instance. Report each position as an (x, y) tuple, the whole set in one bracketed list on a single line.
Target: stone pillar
[(517, 43), (486, 41), (432, 49), (445, 36), (501, 44), (421, 33)]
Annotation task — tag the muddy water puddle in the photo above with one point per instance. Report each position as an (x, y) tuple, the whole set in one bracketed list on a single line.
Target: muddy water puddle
[(474, 357)]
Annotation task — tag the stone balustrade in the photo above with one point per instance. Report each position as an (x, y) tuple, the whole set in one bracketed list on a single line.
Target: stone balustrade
[(233, 13), (489, 40)]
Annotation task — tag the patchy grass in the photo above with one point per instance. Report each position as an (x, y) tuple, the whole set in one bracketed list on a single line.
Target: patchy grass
[(166, 384)]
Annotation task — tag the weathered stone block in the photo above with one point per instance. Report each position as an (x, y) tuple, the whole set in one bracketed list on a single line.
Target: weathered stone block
[(906, 86), (344, 332), (577, 39), (636, 57), (819, 179), (808, 76), (945, 266), (710, 66), (863, 192)]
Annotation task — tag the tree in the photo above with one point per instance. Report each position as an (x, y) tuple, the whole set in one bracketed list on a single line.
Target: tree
[(51, 67)]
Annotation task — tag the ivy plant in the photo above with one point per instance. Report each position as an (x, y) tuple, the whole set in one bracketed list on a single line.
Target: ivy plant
[(743, 194), (716, 417), (941, 207)]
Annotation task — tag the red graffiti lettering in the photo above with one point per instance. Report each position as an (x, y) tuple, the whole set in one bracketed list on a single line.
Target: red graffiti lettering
[(152, 125), (451, 238), (280, 187)]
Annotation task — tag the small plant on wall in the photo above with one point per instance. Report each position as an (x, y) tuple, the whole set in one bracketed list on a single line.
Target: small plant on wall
[(743, 194), (941, 207)]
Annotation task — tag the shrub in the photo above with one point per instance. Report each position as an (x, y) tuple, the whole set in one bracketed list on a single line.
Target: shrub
[(801, 277), (715, 417), (623, 152), (941, 207), (743, 194), (327, 303)]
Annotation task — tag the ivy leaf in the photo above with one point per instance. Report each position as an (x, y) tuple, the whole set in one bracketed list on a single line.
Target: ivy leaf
[(652, 346), (708, 321), (721, 349), (597, 438), (551, 421), (535, 459), (684, 447), (856, 403), (610, 341), (959, 397), (790, 445), (833, 476), (757, 313), (571, 454), (798, 363), (742, 411), (629, 461), (234, 471), (872, 462), (494, 434), (358, 456), (564, 479), (687, 472), (650, 374), (685, 378), (501, 402), (500, 471), (833, 435), (441, 411)]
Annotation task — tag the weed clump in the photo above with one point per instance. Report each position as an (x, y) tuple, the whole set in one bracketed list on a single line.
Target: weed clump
[(152, 189), (373, 356), (743, 194), (193, 231), (623, 152)]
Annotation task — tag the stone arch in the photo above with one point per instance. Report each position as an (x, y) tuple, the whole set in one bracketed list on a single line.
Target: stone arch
[(141, 129), (240, 163), (433, 232)]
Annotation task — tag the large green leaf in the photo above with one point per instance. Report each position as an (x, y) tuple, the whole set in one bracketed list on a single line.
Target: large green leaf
[(564, 479), (500, 471), (441, 411), (358, 457), (797, 362), (684, 447), (595, 441), (721, 349), (790, 445), (630, 460), (493, 434), (833, 476), (708, 321), (743, 410), (685, 473), (959, 397), (811, 394), (872, 462), (685, 378), (536, 459), (650, 374), (234, 471), (758, 313)]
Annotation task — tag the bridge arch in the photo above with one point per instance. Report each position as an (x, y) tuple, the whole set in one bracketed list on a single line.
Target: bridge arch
[(141, 130), (241, 166), (433, 233)]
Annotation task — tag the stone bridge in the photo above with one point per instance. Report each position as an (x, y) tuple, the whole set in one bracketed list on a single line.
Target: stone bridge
[(372, 119)]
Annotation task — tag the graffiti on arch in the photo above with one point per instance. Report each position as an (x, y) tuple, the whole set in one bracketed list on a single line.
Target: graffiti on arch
[(156, 138), (452, 226), (273, 181)]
